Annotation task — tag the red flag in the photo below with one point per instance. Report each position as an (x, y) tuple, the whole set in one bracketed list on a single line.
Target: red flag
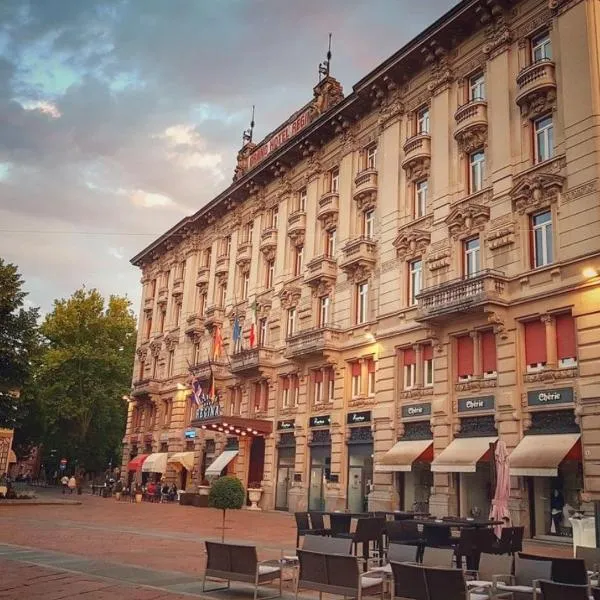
[(253, 326), (217, 344)]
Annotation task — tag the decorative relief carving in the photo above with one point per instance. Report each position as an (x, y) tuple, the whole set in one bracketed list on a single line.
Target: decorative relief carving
[(171, 342), (497, 32), (472, 138), (413, 242), (416, 102), (585, 189), (438, 260), (550, 375), (418, 168), (474, 64), (475, 385), (391, 111), (499, 327), (289, 296), (358, 272), (297, 237), (467, 218), (323, 288), (535, 191), (416, 392), (500, 237), (558, 7), (536, 104), (155, 348), (543, 19), (441, 74), (142, 353), (313, 168), (327, 93)]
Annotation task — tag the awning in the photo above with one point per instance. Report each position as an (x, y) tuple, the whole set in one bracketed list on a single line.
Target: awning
[(403, 454), (185, 459), (155, 463), (235, 425), (540, 455), (221, 462), (135, 464), (12, 457), (462, 455)]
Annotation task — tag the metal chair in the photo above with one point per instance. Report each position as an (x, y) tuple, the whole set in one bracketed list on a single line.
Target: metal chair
[(408, 581), (443, 584), (551, 590), (527, 575), (317, 524), (438, 557), (302, 526)]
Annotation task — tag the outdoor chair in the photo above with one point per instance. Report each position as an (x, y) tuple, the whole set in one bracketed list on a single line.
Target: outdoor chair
[(302, 526), (516, 540), (591, 558), (551, 590), (234, 562), (492, 567), (368, 530), (408, 581), (336, 574), (569, 571), (327, 545), (467, 547), (405, 532), (525, 580), (437, 536), (398, 553), (339, 523), (445, 584), (318, 524)]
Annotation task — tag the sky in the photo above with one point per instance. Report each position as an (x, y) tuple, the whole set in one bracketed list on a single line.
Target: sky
[(120, 117)]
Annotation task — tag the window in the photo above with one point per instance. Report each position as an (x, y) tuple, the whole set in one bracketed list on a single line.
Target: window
[(566, 344), (142, 367), (202, 298), (541, 47), (334, 180), (270, 273), (371, 377), (152, 288), (423, 120), (535, 345), (356, 384), (170, 363), (247, 232), (476, 171), (227, 246), (285, 392), (162, 317), (428, 365), (421, 191), (330, 384), (371, 157), (274, 217), (295, 389), (298, 260), (330, 242), (477, 87), (488, 354), (464, 353), (166, 413), (317, 386), (369, 224), (206, 258), (302, 200), (324, 303), (182, 269), (177, 314), (544, 139), (291, 322), (257, 396), (415, 280), (409, 361), (197, 353), (154, 367), (148, 329), (245, 285), (362, 292), (472, 264), (222, 297), (541, 225), (262, 332)]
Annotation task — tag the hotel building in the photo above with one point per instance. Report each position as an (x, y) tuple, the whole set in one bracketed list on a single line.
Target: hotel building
[(420, 260)]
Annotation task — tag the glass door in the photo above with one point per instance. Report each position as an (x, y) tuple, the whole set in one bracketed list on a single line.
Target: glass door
[(284, 482), (356, 489), (316, 500)]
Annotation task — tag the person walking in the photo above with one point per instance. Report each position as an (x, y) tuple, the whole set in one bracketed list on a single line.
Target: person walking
[(72, 483), (65, 482)]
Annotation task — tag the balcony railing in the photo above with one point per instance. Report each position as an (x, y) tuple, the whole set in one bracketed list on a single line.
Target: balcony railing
[(361, 250), (251, 360), (204, 370), (145, 387), (313, 341), (244, 253), (163, 294), (470, 116), (461, 295), (328, 206), (416, 147), (537, 77), (195, 324), (203, 274), (321, 268), (268, 239), (365, 185), (222, 268)]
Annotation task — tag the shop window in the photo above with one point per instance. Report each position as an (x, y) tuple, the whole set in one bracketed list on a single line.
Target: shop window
[(428, 365), (544, 138), (356, 383), (541, 47), (464, 352), (535, 345), (488, 354), (421, 191), (566, 344), (164, 447), (541, 239), (189, 446), (415, 280), (476, 171), (371, 377), (423, 120), (362, 302), (409, 362), (317, 386)]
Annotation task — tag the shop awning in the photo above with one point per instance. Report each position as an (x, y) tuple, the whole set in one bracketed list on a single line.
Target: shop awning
[(12, 457), (155, 463), (221, 462), (540, 455), (135, 464), (185, 459), (462, 455), (403, 454)]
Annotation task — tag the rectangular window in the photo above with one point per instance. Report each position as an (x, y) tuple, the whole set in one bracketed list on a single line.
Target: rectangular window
[(295, 389), (177, 314), (142, 367), (285, 392), (302, 200), (544, 138), (477, 87), (222, 295), (227, 246), (324, 305), (153, 288), (409, 362), (207, 255), (334, 180), (298, 260), (262, 331), (356, 379), (245, 285), (541, 47), (371, 157), (257, 396), (274, 217), (566, 343), (362, 302), (541, 225), (162, 318), (476, 171), (421, 192), (291, 322), (269, 273), (182, 268), (148, 329), (423, 120), (488, 354), (202, 301), (330, 384), (330, 243), (371, 377), (415, 280), (535, 345), (464, 352), (170, 363), (428, 365), (369, 224), (197, 353), (472, 263), (318, 386)]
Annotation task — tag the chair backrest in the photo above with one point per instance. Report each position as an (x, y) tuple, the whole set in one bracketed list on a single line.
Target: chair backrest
[(494, 564), (408, 581), (591, 557), (487, 540), (596, 593), (302, 521), (316, 520), (402, 531), (232, 558), (436, 535), (313, 566), (570, 571), (438, 557), (327, 545), (340, 523), (402, 553), (516, 541), (218, 556), (552, 590), (526, 570), (467, 542), (368, 528), (445, 583), (343, 573)]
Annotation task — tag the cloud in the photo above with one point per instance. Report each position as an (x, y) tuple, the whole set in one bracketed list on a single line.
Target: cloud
[(43, 106)]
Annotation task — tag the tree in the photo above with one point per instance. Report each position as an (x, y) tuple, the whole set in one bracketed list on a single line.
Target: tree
[(84, 373), (226, 492)]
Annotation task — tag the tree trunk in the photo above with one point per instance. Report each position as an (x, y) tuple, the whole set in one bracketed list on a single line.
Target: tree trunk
[(223, 529)]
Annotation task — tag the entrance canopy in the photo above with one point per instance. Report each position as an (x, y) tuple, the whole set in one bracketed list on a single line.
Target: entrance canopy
[(135, 464), (220, 463), (155, 463), (540, 455), (403, 454), (182, 459), (462, 455), (235, 425)]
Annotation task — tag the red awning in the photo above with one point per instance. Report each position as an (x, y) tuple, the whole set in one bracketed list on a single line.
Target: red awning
[(135, 464)]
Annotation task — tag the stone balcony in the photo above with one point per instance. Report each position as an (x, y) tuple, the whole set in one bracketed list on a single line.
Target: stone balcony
[(465, 295), (163, 294), (205, 369), (203, 275), (296, 223), (195, 325), (178, 287), (328, 209), (222, 268), (316, 341), (365, 189), (417, 155), (145, 387), (359, 252), (268, 240), (252, 361), (149, 303), (471, 124), (536, 88), (244, 253), (214, 315), (320, 269)]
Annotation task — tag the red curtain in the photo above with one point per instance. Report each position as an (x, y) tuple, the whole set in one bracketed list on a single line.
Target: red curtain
[(356, 369), (427, 352), (566, 344), (285, 383), (409, 357), (464, 345), (488, 351), (535, 342), (371, 365), (318, 376)]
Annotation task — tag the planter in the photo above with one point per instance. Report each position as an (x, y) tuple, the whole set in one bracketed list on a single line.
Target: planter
[(254, 495), (203, 490), (138, 498)]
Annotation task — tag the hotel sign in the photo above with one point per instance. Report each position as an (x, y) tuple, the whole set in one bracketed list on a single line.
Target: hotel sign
[(280, 137), (208, 411), (476, 404), (543, 397), (285, 425), (319, 421), (358, 417), (416, 410)]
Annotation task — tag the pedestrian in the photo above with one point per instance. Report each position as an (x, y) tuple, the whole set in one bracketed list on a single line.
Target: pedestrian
[(65, 483), (72, 483)]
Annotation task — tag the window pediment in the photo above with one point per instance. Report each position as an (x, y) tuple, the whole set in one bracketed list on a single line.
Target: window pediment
[(289, 296), (412, 241), (467, 218), (535, 191)]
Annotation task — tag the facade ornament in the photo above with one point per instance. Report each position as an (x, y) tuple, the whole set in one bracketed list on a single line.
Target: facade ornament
[(322, 288), (142, 353), (438, 260), (498, 325), (538, 103), (467, 218), (289, 296), (297, 237), (268, 252), (536, 191), (501, 237), (366, 201), (222, 278), (327, 93), (412, 241), (441, 74), (557, 7), (358, 271), (171, 342), (391, 111), (472, 138), (497, 32), (197, 335), (313, 168), (418, 168), (155, 348)]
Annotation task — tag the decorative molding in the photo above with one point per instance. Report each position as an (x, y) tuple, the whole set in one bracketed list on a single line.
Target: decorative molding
[(538, 103), (142, 353), (472, 138), (438, 260), (498, 325), (467, 218), (171, 342), (417, 102), (418, 168), (289, 296), (501, 237), (497, 33), (416, 392), (558, 7), (358, 272), (322, 288), (534, 191), (542, 19), (476, 385), (585, 189), (390, 112), (474, 64), (413, 241), (155, 348), (550, 375)]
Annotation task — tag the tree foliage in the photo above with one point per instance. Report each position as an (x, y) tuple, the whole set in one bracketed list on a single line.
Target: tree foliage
[(226, 492)]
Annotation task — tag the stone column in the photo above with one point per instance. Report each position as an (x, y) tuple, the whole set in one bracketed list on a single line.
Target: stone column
[(551, 351), (419, 381), (477, 355)]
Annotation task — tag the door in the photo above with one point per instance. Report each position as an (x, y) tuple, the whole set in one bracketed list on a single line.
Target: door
[(284, 482), (183, 478), (356, 489), (316, 501)]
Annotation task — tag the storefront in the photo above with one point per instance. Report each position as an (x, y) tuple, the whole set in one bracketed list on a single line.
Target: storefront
[(469, 457), (155, 466), (320, 461), (286, 459), (360, 460), (224, 463), (183, 463), (549, 460)]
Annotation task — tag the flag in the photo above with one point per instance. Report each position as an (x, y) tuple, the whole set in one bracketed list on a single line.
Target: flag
[(253, 325), (197, 391), (237, 331), (217, 343)]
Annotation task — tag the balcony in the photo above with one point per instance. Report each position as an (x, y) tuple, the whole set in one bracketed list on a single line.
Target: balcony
[(244, 254), (537, 88), (297, 226), (365, 189), (328, 209), (206, 369), (471, 125), (268, 241), (360, 252), (417, 156), (317, 341), (145, 387), (178, 287), (195, 325), (149, 303), (447, 300), (203, 275), (252, 360), (222, 268), (215, 315), (163, 294), (320, 269)]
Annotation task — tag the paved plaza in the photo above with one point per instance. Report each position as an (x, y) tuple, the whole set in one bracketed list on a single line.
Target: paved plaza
[(103, 548)]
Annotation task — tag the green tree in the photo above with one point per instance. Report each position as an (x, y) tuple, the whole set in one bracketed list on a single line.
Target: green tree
[(226, 492), (84, 373)]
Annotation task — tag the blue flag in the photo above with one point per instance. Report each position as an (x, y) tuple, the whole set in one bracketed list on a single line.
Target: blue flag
[(237, 330)]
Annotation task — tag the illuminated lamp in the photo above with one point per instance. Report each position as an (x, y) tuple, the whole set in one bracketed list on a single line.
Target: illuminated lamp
[(255, 433), (243, 433)]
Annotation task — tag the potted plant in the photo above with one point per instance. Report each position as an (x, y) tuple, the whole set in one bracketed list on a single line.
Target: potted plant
[(204, 487), (254, 494), (138, 493), (226, 492)]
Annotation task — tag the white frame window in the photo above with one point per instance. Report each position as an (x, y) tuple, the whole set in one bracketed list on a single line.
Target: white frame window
[(262, 331), (330, 385), (410, 376), (423, 120), (298, 260), (362, 302), (302, 199), (324, 309), (472, 257), (227, 246), (476, 170), (415, 280), (318, 392), (371, 383), (544, 138), (428, 372), (371, 157), (477, 87), (356, 386), (245, 285), (334, 180), (291, 322), (331, 243), (541, 47), (222, 295), (421, 194), (542, 242), (275, 217), (295, 387), (369, 224), (270, 273)]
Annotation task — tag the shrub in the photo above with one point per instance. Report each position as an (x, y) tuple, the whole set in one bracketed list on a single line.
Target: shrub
[(226, 492)]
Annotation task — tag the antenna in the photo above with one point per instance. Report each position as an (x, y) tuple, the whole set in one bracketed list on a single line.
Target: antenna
[(247, 135), (324, 66)]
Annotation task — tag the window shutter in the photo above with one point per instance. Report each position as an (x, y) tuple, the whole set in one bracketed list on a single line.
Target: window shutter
[(464, 345), (356, 369), (285, 383), (371, 364), (566, 344), (427, 352), (409, 357), (535, 342), (488, 346), (318, 375)]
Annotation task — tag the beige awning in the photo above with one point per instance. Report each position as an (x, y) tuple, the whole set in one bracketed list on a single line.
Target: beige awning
[(540, 455), (155, 463), (214, 470), (402, 455), (185, 459), (462, 455), (12, 457)]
